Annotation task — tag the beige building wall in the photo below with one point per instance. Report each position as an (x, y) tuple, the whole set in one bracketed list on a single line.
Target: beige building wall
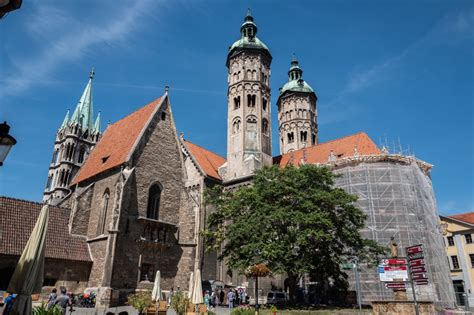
[(459, 245)]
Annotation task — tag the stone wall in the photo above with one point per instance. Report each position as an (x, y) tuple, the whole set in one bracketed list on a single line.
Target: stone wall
[(72, 275)]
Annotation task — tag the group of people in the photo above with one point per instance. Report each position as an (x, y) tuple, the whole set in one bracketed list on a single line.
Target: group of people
[(63, 300), (233, 297)]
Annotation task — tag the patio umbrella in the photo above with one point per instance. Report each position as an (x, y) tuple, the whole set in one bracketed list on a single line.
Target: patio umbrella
[(27, 278), (197, 289), (191, 284), (156, 293)]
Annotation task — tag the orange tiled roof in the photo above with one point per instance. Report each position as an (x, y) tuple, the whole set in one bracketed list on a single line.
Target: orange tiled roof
[(207, 160), (341, 148), (467, 217), (19, 218), (114, 147)]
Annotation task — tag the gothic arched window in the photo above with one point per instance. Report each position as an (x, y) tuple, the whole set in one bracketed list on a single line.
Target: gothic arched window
[(237, 102), (54, 160), (49, 182), (291, 137), (265, 126), (303, 136), (154, 196), (251, 135), (82, 153), (236, 125), (103, 212), (264, 104)]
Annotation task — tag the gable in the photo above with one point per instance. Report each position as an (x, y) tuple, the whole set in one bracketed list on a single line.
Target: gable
[(117, 143), (208, 161)]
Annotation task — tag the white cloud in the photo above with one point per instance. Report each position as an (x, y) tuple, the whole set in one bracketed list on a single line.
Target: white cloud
[(75, 39)]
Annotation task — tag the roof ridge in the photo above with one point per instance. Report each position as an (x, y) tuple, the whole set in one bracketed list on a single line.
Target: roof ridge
[(138, 109), (205, 149), (327, 142), (459, 214), (338, 139)]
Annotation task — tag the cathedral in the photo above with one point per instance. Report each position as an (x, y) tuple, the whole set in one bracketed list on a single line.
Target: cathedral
[(128, 201)]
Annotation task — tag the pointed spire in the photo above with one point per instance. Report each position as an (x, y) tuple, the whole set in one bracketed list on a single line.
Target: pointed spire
[(83, 114), (248, 28), (65, 121), (97, 124), (249, 16)]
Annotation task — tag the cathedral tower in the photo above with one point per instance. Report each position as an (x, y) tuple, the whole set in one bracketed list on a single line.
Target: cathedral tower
[(297, 115), (74, 140), (248, 100)]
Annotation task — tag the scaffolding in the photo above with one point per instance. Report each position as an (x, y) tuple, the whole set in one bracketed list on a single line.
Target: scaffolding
[(396, 193)]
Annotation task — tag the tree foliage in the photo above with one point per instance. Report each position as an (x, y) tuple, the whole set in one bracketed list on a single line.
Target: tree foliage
[(294, 220)]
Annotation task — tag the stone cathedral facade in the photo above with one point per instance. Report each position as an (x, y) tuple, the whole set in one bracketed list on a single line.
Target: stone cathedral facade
[(131, 197)]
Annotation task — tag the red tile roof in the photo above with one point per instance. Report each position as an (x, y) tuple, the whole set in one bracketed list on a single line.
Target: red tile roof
[(467, 217), (116, 143), (341, 148), (207, 160), (17, 219)]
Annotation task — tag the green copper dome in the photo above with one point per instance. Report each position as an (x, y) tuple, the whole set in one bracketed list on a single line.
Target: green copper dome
[(295, 80), (245, 42), (297, 86), (249, 37)]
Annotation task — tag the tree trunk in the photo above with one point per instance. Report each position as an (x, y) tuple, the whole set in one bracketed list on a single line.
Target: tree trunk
[(292, 287)]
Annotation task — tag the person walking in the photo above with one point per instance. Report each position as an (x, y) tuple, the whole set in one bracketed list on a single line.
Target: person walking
[(207, 300), (214, 298), (230, 299), (170, 296), (221, 297), (63, 300), (8, 304), (51, 298)]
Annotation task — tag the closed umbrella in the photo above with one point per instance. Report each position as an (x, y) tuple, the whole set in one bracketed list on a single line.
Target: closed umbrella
[(156, 293), (191, 284), (197, 289), (27, 278)]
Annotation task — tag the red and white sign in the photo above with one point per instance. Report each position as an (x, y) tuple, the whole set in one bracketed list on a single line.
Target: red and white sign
[(418, 269), (393, 273), (419, 276), (395, 268), (395, 285), (394, 261), (417, 262), (415, 249)]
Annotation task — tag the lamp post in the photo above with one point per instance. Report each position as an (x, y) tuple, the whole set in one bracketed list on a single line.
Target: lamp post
[(7, 6), (255, 271), (6, 142)]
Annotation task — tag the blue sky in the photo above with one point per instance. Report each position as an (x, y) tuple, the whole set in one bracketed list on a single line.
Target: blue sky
[(398, 70)]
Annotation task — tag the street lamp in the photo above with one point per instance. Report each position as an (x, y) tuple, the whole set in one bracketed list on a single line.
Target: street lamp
[(7, 6), (6, 142)]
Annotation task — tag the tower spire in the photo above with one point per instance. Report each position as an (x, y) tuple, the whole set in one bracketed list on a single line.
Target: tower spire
[(97, 124), (65, 121), (83, 114)]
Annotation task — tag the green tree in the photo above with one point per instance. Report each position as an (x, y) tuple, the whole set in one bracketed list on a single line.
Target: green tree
[(294, 220)]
